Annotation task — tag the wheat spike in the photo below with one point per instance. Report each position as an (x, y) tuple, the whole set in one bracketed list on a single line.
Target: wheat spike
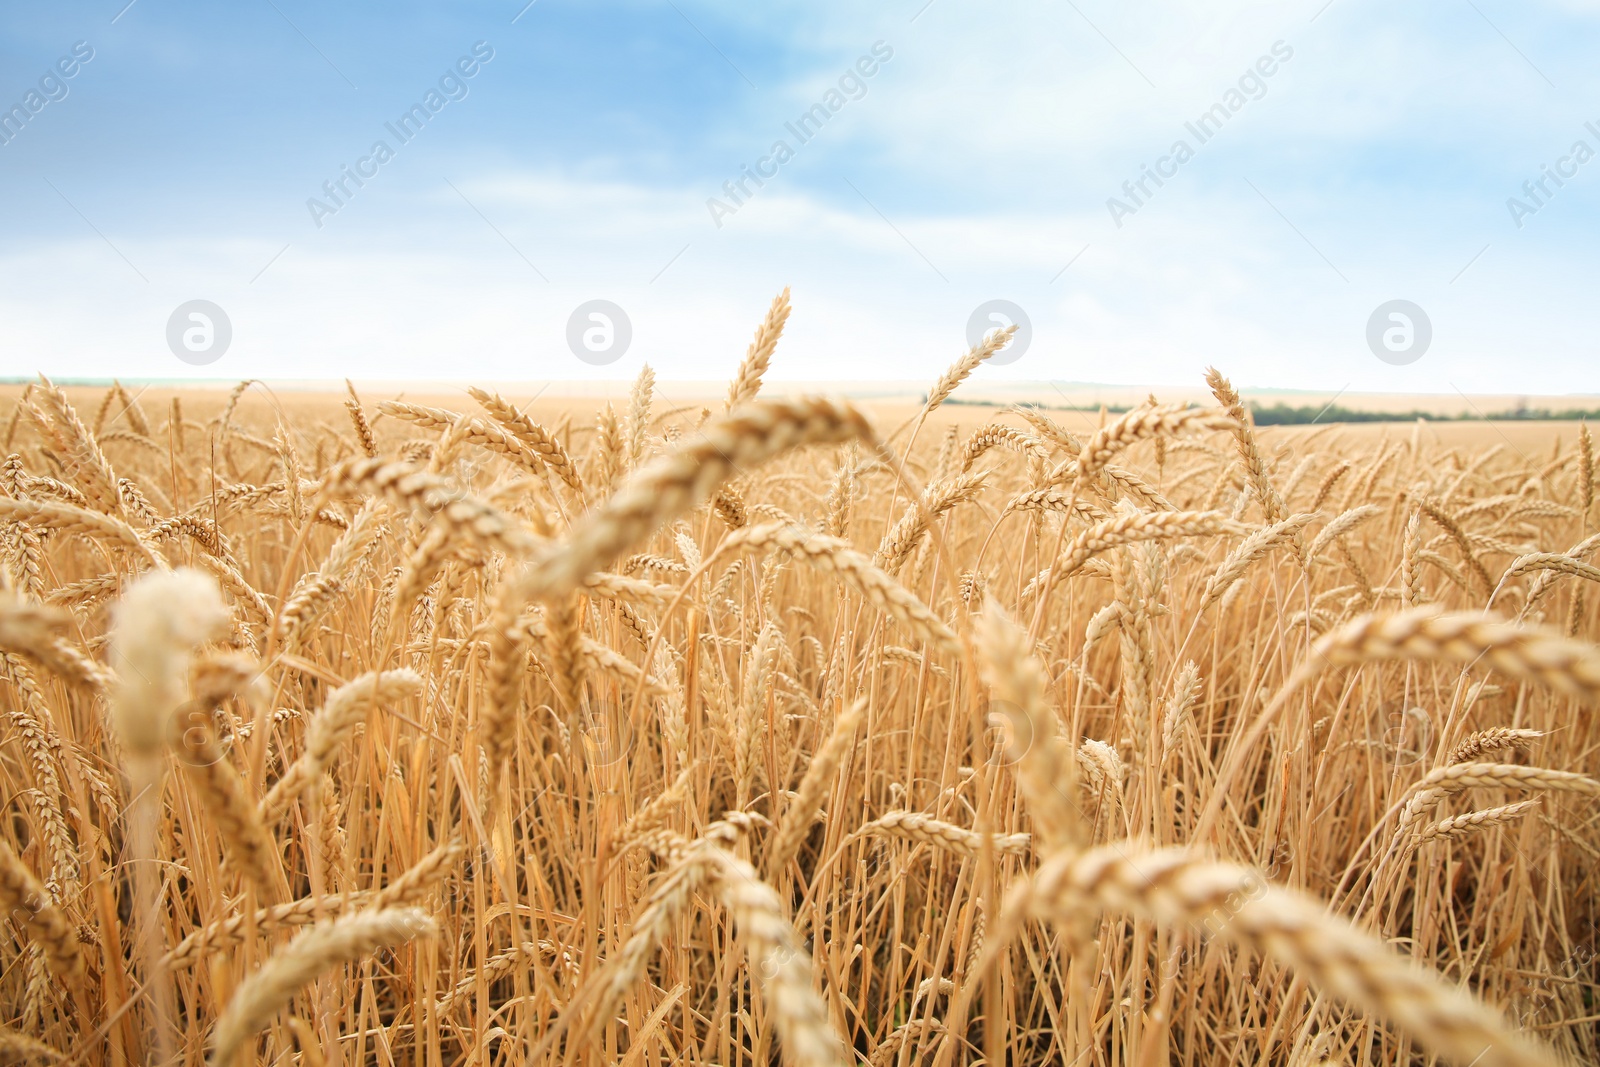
[(797, 818), (345, 709), (26, 900), (925, 829), (269, 990), (962, 368), (747, 382), (1172, 887), (1459, 827), (1572, 667)]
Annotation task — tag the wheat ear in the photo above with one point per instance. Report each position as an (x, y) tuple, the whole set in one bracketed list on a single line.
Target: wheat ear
[(1248, 551), (1458, 827), (997, 435), (69, 518), (831, 554), (1494, 739), (345, 709), (925, 829), (1249, 452), (16, 1049), (681, 480), (248, 844), (1185, 694), (747, 382), (962, 368), (36, 631), (780, 964), (82, 455), (158, 623), (1237, 904), (1140, 424), (539, 440), (1533, 654), (1435, 511), (24, 898), (269, 990), (1127, 529), (898, 544), (819, 776), (1047, 768), (358, 418), (1341, 525), (410, 490)]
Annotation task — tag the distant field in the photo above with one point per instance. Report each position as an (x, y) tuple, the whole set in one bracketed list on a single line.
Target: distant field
[(325, 404)]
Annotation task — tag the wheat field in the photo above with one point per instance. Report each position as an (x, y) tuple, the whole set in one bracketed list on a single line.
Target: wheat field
[(763, 731)]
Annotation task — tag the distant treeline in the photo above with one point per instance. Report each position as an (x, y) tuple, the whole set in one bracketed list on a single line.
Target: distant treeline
[(1285, 415)]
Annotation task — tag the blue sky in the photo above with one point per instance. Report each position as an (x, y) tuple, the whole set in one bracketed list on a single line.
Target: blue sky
[(1374, 163)]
